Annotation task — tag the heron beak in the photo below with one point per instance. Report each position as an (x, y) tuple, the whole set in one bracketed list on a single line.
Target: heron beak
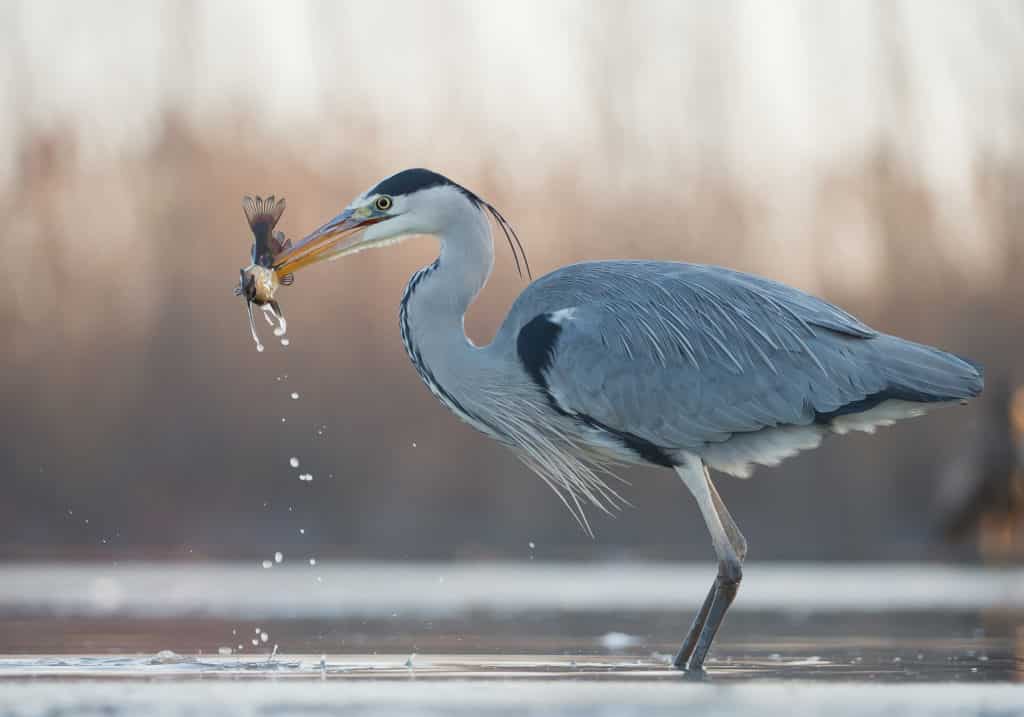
[(339, 236)]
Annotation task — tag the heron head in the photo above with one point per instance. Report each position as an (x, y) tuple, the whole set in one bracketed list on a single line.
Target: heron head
[(412, 202), (416, 201)]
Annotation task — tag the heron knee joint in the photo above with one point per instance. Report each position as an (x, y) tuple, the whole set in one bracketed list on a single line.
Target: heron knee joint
[(730, 573)]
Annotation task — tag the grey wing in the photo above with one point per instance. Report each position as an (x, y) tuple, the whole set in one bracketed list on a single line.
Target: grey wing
[(677, 357)]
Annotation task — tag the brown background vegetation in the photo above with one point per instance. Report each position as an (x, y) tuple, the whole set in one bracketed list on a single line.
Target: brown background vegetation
[(139, 420)]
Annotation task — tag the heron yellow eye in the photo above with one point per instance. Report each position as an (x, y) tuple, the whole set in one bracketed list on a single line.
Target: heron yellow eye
[(383, 203)]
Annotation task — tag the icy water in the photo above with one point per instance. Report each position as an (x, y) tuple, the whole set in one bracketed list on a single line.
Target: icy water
[(371, 639)]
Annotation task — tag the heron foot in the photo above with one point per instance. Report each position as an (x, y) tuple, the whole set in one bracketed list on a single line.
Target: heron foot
[(698, 675)]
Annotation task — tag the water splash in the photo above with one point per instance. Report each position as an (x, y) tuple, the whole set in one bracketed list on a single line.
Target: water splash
[(271, 312), (252, 327), (274, 317)]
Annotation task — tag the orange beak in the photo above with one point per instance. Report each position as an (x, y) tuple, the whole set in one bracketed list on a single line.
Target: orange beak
[(333, 239)]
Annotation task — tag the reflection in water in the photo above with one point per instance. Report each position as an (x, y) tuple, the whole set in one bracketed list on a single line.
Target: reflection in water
[(907, 646), (875, 666)]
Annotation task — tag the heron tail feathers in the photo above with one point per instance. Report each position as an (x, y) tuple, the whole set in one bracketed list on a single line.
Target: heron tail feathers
[(924, 374)]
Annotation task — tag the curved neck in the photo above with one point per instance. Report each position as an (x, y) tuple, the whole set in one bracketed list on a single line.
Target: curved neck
[(431, 319), (437, 297)]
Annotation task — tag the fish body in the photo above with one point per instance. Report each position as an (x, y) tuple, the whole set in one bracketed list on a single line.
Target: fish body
[(259, 281)]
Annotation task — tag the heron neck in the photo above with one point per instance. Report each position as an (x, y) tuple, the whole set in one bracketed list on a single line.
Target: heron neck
[(431, 320), (440, 294)]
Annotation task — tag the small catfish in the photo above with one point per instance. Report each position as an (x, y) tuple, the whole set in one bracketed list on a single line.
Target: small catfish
[(259, 281)]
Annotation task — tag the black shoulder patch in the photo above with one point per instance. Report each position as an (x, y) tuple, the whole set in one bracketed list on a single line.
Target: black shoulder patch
[(641, 446), (414, 180), (536, 347)]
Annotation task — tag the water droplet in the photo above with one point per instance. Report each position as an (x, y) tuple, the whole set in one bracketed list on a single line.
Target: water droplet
[(302, 531), (285, 342), (259, 347), (278, 557), (284, 420), (264, 637), (312, 561), (224, 650), (282, 329), (267, 564), (293, 462), (414, 444), (295, 395), (255, 642), (532, 545), (306, 477)]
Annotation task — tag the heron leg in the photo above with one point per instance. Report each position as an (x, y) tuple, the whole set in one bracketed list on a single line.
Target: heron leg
[(731, 549), (696, 627)]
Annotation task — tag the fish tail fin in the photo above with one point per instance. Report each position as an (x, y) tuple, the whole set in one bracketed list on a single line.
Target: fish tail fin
[(265, 212)]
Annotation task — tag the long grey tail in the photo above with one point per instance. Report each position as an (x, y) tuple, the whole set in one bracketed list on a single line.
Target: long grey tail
[(925, 374)]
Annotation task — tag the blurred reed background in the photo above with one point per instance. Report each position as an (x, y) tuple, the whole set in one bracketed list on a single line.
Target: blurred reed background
[(871, 152)]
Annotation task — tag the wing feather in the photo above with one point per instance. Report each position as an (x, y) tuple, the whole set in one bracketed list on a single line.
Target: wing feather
[(685, 355)]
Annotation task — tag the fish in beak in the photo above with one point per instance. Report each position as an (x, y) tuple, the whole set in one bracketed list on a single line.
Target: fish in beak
[(259, 281)]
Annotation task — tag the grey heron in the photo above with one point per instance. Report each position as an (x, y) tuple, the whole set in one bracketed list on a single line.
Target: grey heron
[(681, 366)]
